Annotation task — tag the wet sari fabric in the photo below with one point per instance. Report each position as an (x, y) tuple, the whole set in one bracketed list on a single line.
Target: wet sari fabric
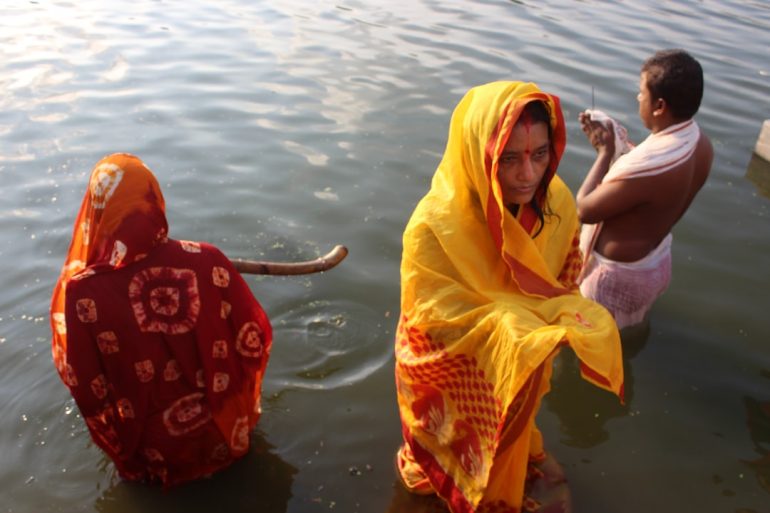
[(487, 299), (161, 342)]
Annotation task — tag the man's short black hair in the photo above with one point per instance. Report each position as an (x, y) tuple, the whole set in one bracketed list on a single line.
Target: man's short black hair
[(677, 77)]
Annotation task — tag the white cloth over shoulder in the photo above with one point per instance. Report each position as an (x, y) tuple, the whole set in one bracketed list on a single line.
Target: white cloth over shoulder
[(622, 144), (660, 152)]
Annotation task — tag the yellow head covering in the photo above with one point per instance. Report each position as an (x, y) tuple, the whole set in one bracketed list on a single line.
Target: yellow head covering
[(483, 308)]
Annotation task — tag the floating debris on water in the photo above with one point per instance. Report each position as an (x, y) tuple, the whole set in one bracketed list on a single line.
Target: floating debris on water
[(327, 194)]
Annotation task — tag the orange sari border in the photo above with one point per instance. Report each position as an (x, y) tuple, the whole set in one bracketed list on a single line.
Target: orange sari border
[(442, 483)]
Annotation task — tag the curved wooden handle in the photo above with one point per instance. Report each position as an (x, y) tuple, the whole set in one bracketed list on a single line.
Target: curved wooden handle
[(321, 264)]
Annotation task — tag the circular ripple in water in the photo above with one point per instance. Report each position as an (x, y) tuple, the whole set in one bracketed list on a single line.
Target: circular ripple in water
[(325, 345)]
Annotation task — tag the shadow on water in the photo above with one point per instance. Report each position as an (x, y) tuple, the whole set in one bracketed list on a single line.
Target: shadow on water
[(758, 421), (581, 407), (260, 481), (404, 502)]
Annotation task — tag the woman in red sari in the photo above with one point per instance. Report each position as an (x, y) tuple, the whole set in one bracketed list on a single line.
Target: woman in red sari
[(161, 342)]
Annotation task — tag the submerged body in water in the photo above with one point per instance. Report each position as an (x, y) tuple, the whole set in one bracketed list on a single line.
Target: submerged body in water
[(161, 342)]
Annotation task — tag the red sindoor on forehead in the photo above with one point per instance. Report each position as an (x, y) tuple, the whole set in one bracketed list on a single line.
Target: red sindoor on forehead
[(526, 121)]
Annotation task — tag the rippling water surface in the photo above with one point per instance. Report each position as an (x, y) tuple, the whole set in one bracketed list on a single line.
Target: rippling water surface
[(278, 129)]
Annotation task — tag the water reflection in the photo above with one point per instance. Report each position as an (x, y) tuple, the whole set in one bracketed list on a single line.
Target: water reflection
[(758, 421), (327, 344), (582, 408), (404, 502), (260, 481)]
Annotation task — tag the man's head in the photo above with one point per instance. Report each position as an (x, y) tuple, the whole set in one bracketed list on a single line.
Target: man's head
[(677, 78)]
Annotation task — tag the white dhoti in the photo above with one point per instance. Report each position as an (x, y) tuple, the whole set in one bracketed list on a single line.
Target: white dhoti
[(628, 289)]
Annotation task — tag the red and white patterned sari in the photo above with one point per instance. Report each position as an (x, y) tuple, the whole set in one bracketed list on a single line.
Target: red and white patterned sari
[(161, 342)]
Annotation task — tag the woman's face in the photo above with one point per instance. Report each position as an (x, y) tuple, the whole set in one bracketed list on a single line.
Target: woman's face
[(523, 162)]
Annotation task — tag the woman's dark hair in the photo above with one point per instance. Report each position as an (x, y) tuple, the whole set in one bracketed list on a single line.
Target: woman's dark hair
[(537, 112)]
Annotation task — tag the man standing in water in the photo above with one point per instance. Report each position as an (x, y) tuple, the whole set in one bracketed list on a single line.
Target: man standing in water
[(630, 200)]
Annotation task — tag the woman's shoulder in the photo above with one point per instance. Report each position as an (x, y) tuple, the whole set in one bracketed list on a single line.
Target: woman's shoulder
[(191, 248), (559, 194)]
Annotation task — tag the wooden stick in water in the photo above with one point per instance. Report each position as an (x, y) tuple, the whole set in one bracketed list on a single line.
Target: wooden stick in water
[(320, 264)]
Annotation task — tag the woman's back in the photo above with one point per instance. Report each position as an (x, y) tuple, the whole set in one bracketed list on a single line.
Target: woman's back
[(161, 342)]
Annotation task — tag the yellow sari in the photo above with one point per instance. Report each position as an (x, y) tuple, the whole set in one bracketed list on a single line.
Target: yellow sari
[(487, 299)]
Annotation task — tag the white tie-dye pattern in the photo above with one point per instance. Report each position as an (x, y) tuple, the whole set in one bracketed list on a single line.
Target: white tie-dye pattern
[(190, 247), (220, 382), (86, 310), (60, 323), (220, 276), (186, 414), (85, 229), (104, 181), (239, 441), (85, 273), (119, 250), (249, 340), (125, 409)]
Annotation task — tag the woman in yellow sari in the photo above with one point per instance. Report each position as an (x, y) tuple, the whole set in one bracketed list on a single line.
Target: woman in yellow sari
[(488, 297)]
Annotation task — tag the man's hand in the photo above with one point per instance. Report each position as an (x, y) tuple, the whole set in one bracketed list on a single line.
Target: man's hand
[(601, 135)]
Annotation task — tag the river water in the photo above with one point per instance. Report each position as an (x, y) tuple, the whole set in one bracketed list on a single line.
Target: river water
[(280, 128)]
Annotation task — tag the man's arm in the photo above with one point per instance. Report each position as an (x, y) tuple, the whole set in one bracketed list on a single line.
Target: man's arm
[(601, 138), (608, 200), (598, 201), (592, 180)]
